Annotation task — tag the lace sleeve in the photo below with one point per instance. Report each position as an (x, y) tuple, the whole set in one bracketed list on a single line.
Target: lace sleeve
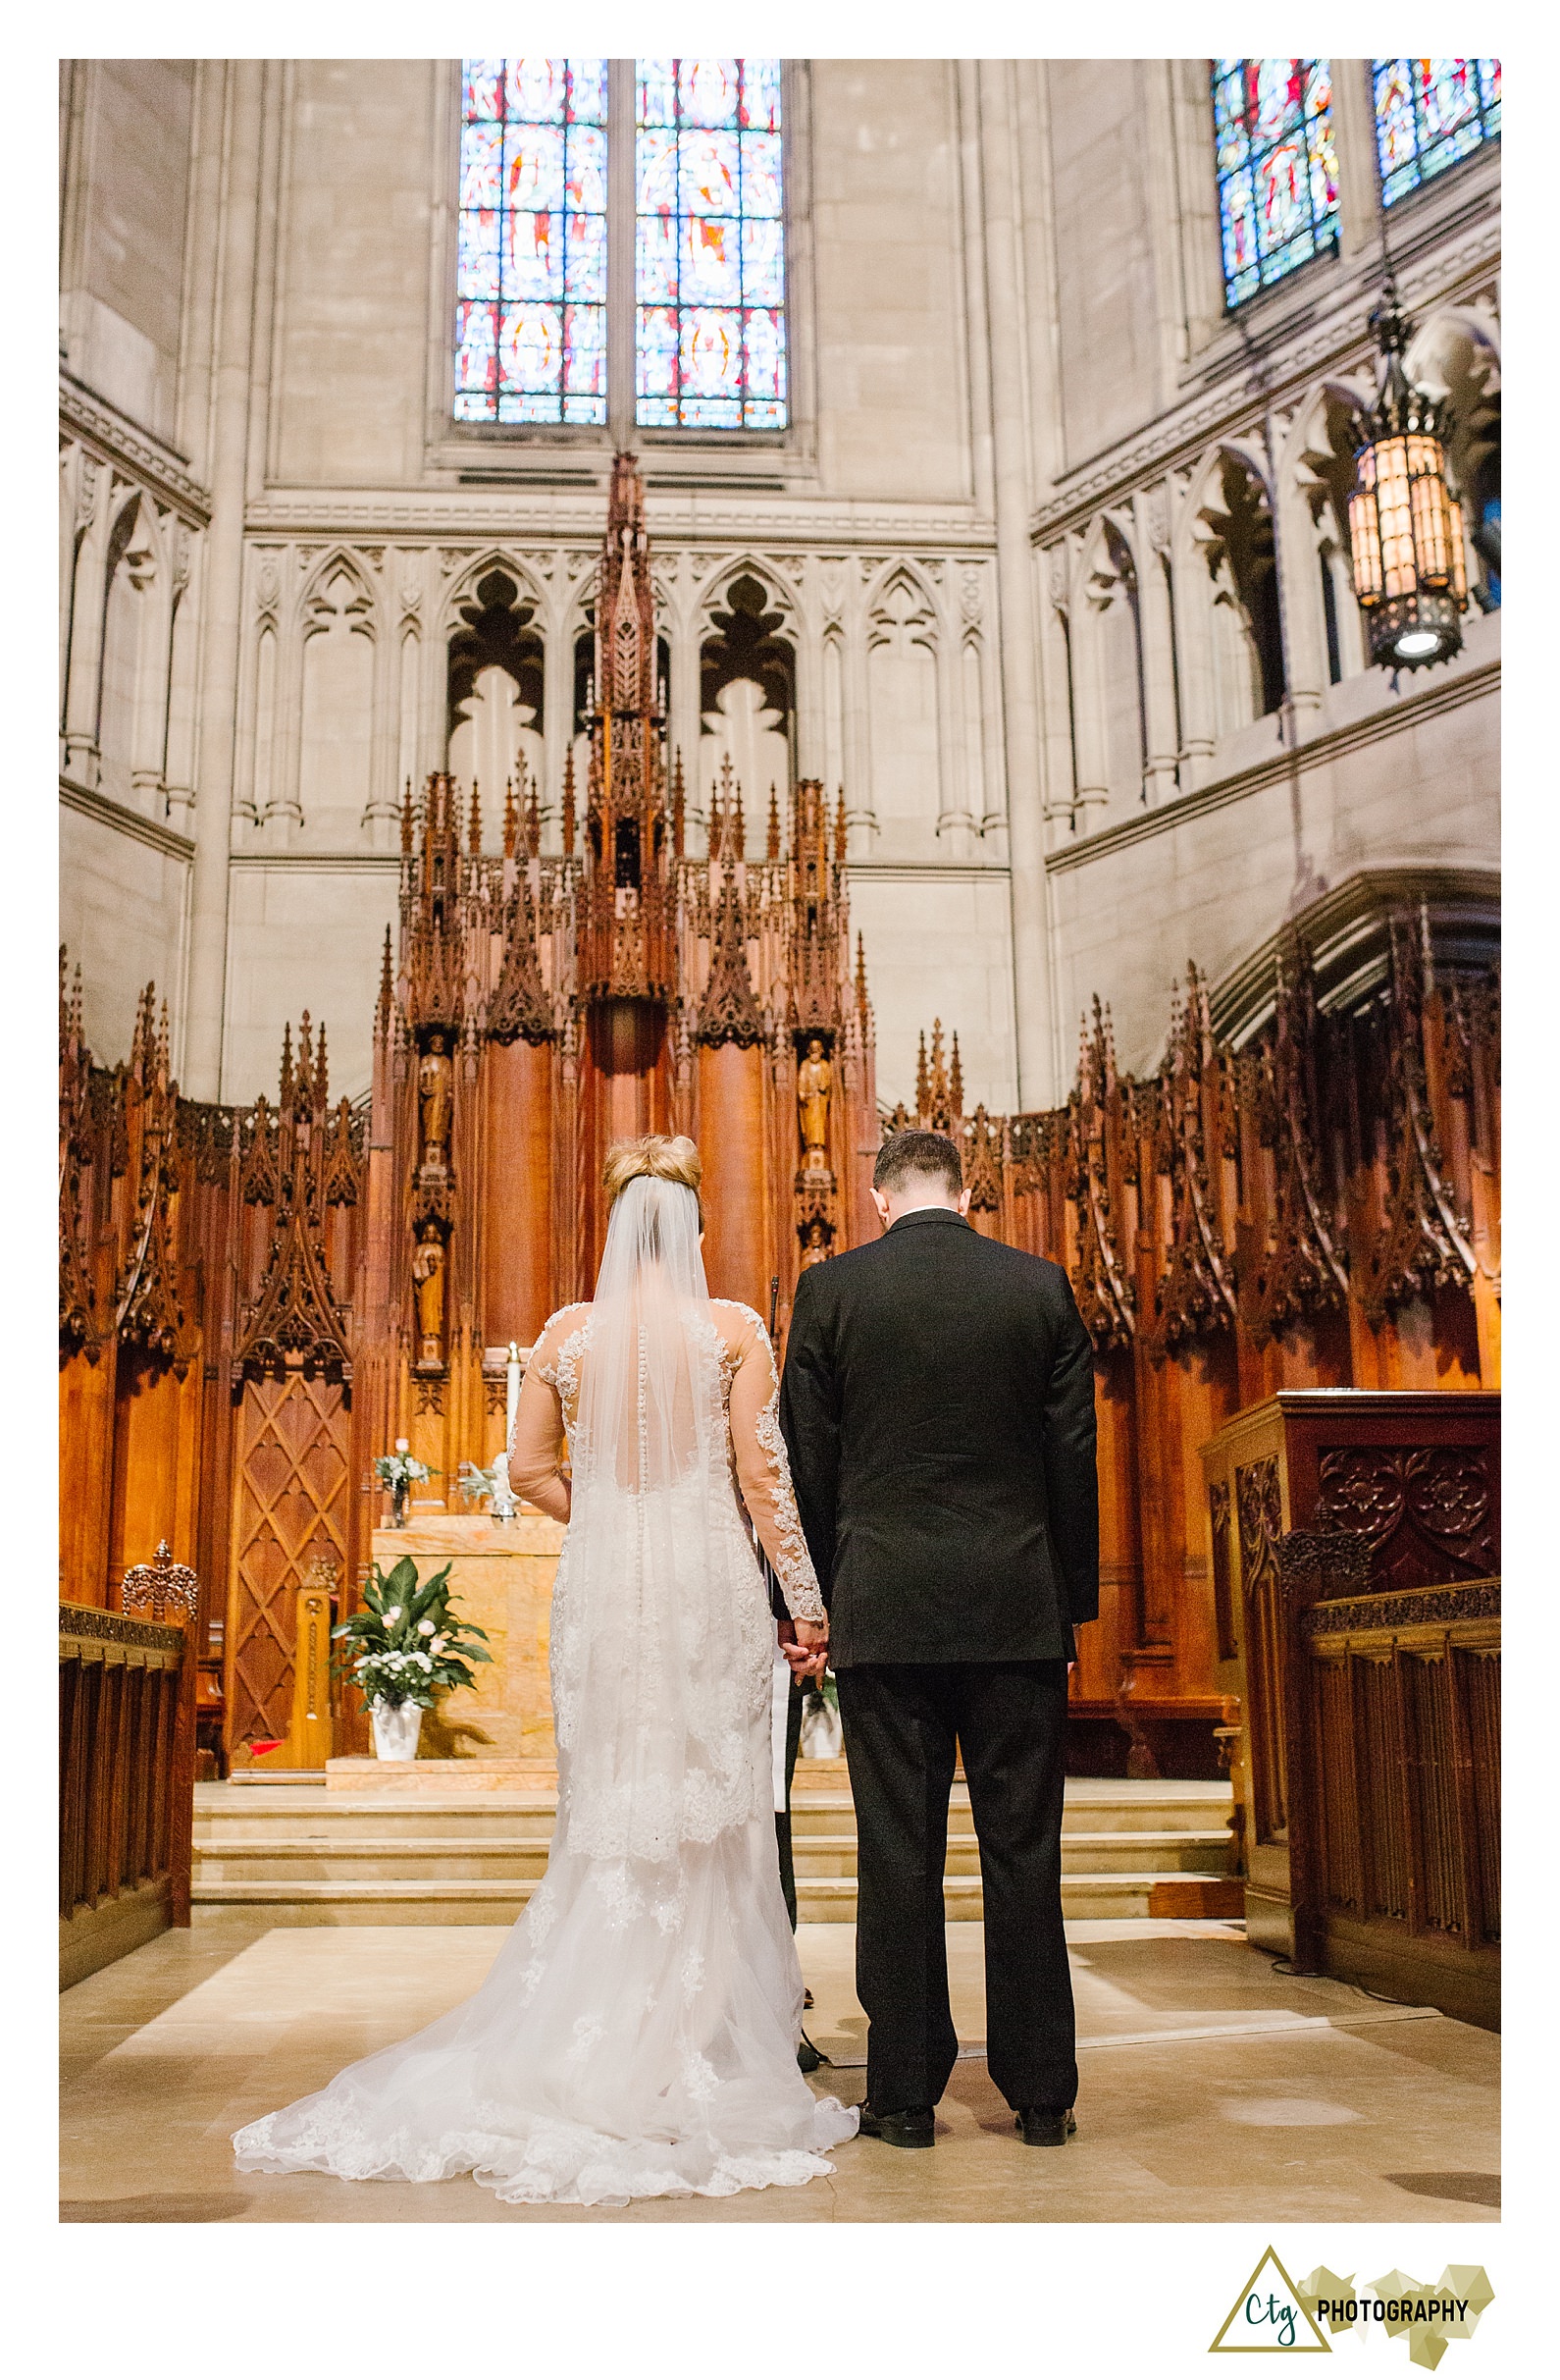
[(764, 1475), (536, 1447)]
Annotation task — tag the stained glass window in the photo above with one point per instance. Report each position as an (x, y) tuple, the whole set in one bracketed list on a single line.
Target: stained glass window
[(1428, 112), (709, 245), (531, 288), (1277, 170)]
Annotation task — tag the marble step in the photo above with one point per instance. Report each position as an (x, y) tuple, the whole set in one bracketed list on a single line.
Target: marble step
[(227, 1815), (477, 1900), (259, 1814), (354, 1857), (328, 1857)]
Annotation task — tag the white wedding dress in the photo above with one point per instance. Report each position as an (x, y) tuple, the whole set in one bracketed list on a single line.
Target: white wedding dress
[(636, 2037)]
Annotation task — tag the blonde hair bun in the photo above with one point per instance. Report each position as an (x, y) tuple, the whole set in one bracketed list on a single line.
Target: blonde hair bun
[(655, 1157)]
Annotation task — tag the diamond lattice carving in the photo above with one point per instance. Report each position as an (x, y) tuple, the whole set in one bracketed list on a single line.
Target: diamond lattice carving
[(291, 1511)]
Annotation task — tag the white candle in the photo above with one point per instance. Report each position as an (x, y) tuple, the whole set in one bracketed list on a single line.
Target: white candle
[(511, 1374)]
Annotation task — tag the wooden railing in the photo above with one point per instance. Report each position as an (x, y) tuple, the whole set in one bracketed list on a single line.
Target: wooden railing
[(1393, 1709), (127, 1783)]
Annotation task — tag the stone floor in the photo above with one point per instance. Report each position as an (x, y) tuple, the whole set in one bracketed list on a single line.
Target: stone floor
[(1214, 2088)]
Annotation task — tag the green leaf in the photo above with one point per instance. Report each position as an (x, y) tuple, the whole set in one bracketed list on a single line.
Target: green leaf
[(402, 1580)]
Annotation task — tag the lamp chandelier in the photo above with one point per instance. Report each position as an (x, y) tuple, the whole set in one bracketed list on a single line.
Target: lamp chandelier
[(1405, 525)]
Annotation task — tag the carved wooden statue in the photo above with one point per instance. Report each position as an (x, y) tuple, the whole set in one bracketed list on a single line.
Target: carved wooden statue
[(428, 1271), (815, 1245), (814, 1082), (435, 1079)]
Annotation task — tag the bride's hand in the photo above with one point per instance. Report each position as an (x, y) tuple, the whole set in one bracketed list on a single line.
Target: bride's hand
[(812, 1644), (805, 1645)]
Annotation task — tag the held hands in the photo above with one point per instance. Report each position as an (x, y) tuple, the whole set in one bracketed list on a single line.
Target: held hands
[(805, 1645)]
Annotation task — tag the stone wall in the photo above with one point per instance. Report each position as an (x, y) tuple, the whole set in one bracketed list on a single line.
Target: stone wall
[(1014, 540)]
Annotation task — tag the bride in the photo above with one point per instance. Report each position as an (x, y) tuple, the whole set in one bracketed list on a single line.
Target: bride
[(637, 2034)]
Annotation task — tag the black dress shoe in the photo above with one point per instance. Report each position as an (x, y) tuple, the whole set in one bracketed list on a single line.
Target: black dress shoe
[(900, 2127), (1045, 2127), (808, 2058)]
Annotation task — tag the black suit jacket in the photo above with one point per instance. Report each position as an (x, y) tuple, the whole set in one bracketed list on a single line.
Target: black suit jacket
[(938, 1409)]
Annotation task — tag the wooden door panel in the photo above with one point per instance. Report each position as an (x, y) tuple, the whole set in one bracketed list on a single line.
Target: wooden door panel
[(291, 1506)]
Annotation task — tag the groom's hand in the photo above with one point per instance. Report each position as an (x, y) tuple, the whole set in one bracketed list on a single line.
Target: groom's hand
[(805, 1645)]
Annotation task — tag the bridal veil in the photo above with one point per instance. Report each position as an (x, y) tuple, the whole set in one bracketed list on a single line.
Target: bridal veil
[(636, 2035)]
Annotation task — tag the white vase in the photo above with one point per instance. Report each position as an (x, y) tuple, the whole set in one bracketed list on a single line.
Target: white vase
[(397, 1728), (821, 1737)]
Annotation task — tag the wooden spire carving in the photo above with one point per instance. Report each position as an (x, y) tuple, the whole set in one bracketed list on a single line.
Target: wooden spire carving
[(520, 1009), (820, 981), (79, 1330), (1425, 1241), (1292, 1268), (294, 1319), (430, 903), (730, 1011), (1101, 1282), (1194, 1146), (626, 942), (148, 1313), (939, 1086), (570, 824)]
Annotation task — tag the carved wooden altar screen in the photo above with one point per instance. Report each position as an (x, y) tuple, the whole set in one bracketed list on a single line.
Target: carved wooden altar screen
[(256, 1300)]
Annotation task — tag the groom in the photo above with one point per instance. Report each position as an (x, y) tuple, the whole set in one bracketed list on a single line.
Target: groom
[(938, 1406)]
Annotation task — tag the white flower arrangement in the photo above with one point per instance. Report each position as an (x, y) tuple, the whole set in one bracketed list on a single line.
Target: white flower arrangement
[(401, 1469), (411, 1649)]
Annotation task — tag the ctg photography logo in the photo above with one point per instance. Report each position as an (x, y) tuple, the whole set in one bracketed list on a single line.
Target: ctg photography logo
[(1275, 2316), (1269, 2318)]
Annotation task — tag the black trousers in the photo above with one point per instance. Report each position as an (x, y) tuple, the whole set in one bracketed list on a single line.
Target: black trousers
[(903, 1722), (782, 1818)]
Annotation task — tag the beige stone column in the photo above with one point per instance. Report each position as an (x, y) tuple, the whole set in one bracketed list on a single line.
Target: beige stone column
[(557, 716), (1089, 709), (1194, 636), (243, 122), (1056, 689), (955, 825), (977, 326), (808, 646), (88, 593), (154, 666), (1300, 612), (682, 696), (1038, 1084), (1159, 643), (860, 816), (70, 460), (1354, 134)]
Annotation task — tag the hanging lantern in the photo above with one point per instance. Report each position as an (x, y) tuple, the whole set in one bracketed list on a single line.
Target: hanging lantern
[(1405, 525)]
